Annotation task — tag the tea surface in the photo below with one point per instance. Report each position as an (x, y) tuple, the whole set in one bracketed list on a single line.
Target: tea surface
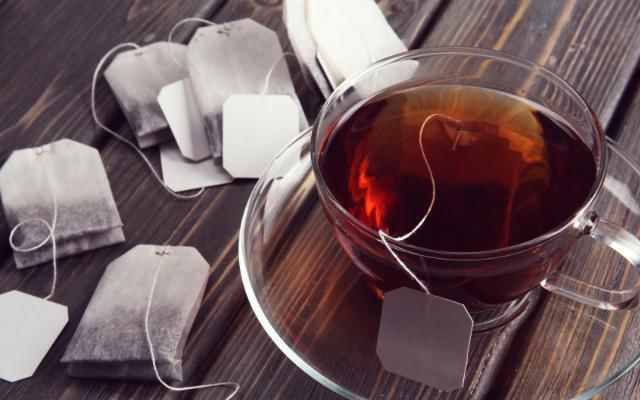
[(505, 172)]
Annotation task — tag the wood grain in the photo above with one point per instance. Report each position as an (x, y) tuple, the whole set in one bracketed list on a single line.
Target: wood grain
[(593, 45)]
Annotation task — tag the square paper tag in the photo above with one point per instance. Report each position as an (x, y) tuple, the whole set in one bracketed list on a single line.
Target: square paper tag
[(180, 108), (256, 128), (424, 338), (29, 326), (181, 174)]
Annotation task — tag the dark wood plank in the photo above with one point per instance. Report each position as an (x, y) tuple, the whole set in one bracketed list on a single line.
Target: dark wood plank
[(569, 38), (593, 45)]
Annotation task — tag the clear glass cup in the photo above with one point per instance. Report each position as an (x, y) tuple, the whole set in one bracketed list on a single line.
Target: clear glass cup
[(492, 284)]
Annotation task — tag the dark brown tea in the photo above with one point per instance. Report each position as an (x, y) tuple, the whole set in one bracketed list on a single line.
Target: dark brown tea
[(505, 171)]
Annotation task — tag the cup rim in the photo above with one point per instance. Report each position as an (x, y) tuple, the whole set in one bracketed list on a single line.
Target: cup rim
[(573, 220)]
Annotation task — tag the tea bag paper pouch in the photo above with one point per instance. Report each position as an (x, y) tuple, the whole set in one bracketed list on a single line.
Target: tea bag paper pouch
[(87, 214), (232, 59), (351, 35), (294, 14), (110, 341), (136, 78)]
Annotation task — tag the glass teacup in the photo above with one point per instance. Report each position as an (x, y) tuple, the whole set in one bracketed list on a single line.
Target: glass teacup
[(491, 283)]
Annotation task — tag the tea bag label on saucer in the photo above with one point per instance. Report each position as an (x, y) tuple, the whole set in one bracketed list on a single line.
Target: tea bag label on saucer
[(180, 108), (256, 128), (30, 325), (424, 338)]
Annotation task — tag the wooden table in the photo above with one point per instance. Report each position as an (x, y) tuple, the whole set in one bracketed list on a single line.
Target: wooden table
[(48, 53)]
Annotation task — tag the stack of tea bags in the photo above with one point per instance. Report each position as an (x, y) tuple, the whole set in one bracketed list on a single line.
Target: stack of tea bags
[(220, 107), (335, 39)]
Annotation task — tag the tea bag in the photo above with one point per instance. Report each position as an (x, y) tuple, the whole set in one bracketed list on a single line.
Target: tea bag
[(136, 77), (294, 14), (421, 336), (111, 340), (234, 58), (351, 35), (87, 216)]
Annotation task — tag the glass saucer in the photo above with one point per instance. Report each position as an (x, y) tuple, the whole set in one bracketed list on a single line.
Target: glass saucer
[(319, 311)]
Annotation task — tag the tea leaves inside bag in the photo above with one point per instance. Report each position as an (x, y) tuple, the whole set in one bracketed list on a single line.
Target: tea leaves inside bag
[(87, 214), (110, 339)]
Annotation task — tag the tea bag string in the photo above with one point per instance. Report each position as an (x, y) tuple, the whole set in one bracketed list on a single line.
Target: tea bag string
[(384, 236), (234, 385), (50, 227), (129, 143), (272, 69)]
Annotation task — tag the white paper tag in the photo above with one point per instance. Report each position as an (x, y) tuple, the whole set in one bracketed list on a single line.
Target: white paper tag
[(29, 326), (181, 174), (424, 338), (178, 103), (256, 128)]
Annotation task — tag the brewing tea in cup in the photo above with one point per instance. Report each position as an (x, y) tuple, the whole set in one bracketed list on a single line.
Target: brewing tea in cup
[(513, 162)]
